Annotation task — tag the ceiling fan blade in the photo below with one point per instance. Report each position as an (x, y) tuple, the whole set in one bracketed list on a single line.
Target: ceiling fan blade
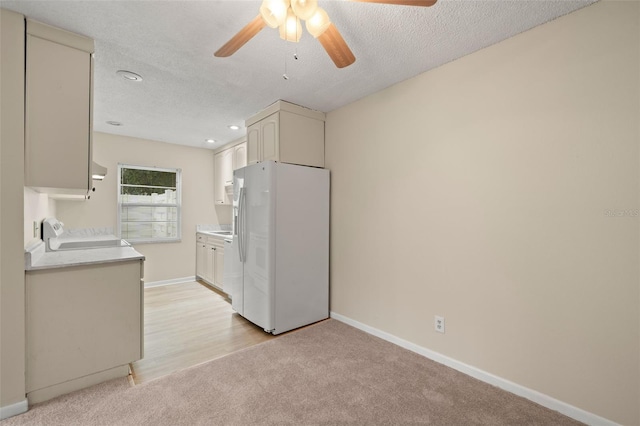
[(243, 36), (423, 3), (336, 47)]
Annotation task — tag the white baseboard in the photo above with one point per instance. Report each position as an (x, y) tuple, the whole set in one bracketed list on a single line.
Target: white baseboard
[(535, 396), (169, 282), (14, 409), (45, 394)]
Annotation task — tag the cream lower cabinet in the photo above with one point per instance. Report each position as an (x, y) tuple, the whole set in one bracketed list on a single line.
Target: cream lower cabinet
[(286, 133), (84, 326), (210, 260), (210, 266), (201, 257), (204, 258), (219, 267)]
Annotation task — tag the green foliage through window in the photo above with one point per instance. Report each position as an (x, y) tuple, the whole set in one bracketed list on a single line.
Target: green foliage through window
[(146, 181)]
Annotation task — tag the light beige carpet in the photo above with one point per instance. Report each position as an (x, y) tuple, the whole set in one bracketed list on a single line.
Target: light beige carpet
[(328, 373)]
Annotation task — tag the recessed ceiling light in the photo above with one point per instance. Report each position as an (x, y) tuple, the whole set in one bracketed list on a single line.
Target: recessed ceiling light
[(210, 141), (128, 75), (114, 123), (234, 127)]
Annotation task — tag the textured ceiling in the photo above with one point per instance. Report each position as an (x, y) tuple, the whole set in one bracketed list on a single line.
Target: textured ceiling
[(188, 95)]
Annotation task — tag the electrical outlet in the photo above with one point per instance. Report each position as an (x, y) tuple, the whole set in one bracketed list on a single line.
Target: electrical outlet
[(36, 228), (439, 324)]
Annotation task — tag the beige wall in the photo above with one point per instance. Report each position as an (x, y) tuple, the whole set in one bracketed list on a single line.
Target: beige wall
[(163, 261), (12, 322), (478, 191)]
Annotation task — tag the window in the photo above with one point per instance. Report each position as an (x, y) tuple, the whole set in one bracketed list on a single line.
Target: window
[(148, 204)]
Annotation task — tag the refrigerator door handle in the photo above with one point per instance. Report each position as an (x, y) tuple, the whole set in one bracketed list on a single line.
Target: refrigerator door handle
[(241, 227), (244, 225)]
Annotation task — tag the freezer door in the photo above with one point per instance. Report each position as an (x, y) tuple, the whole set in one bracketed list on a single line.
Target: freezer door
[(258, 237), (233, 267)]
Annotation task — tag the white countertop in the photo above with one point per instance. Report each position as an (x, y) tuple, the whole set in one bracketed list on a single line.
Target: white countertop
[(216, 234), (212, 228), (36, 258), (214, 231)]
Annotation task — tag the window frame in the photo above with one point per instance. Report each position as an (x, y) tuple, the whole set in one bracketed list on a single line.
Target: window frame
[(178, 204)]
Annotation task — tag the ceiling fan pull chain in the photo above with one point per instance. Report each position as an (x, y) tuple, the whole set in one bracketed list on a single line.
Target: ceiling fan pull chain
[(285, 76)]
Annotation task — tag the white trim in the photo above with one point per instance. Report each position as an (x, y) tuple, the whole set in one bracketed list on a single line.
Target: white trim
[(535, 396), (49, 392), (169, 282), (14, 409)]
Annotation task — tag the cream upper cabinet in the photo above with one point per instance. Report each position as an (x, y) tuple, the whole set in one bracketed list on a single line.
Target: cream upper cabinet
[(58, 119), (239, 156), (219, 194), (269, 134), (225, 162), (286, 133), (227, 166), (254, 149)]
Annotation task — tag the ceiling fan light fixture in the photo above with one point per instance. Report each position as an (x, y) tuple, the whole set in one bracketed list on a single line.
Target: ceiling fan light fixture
[(274, 12), (291, 30), (318, 23), (304, 9), (286, 15)]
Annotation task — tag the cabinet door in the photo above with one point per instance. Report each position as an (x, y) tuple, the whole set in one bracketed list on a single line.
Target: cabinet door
[(211, 259), (201, 259), (227, 166), (301, 140), (219, 195), (58, 112), (270, 131), (219, 268), (81, 321), (240, 156), (254, 153)]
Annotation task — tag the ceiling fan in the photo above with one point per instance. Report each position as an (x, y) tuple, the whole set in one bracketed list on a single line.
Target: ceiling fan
[(286, 15)]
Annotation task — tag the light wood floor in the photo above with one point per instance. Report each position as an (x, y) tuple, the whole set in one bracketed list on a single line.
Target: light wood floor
[(188, 324)]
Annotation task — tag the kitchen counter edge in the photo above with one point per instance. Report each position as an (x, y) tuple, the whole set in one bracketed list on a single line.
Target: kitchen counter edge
[(216, 235), (37, 259)]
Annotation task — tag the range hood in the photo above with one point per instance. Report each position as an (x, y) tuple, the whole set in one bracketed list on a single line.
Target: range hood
[(98, 172)]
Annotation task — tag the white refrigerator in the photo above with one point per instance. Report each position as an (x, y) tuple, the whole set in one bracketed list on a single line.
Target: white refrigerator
[(277, 268)]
